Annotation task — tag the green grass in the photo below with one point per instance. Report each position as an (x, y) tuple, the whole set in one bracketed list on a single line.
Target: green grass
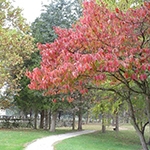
[(124, 140), (17, 139)]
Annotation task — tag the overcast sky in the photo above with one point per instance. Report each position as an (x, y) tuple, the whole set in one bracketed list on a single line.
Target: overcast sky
[(31, 8)]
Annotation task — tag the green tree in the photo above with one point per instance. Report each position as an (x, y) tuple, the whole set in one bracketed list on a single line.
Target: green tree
[(26, 100), (16, 46), (61, 13), (16, 43)]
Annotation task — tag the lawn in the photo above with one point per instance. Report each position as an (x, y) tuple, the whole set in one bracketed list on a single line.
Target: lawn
[(126, 139), (17, 139)]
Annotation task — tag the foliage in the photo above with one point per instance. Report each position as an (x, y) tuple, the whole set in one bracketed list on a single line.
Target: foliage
[(102, 43), (16, 43), (123, 5), (57, 13), (61, 13), (106, 103), (27, 100), (139, 109)]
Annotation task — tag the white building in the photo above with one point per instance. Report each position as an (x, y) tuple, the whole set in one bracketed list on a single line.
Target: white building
[(2, 112)]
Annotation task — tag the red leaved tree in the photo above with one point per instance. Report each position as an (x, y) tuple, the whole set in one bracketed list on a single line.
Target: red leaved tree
[(101, 45)]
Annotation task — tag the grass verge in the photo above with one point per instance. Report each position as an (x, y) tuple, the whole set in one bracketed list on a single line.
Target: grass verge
[(124, 140), (17, 139)]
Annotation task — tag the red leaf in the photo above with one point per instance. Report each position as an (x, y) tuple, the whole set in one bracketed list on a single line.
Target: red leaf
[(54, 100), (143, 77), (117, 10)]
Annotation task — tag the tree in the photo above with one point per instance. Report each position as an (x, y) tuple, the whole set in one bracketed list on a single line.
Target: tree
[(16, 46), (29, 101), (61, 13), (107, 104), (57, 13), (123, 5), (77, 47), (103, 45)]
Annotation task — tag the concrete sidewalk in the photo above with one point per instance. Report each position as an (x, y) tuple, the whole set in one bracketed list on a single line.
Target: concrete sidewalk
[(48, 142)]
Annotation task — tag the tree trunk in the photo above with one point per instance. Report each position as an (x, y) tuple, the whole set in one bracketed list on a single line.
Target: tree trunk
[(73, 122), (80, 119), (53, 122), (141, 136), (117, 122), (46, 119), (35, 120), (42, 120), (49, 119), (103, 124)]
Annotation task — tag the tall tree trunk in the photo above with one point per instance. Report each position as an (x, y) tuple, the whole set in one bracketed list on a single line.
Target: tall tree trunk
[(103, 124), (73, 122), (46, 119), (117, 122), (53, 121), (42, 120), (80, 119), (35, 120), (49, 119)]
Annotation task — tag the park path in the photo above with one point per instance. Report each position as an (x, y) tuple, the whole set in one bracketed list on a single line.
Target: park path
[(47, 143)]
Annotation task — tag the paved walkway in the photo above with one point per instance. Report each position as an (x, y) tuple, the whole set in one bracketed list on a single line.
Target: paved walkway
[(48, 142)]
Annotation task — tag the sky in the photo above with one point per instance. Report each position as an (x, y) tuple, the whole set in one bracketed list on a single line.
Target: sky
[(31, 8)]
